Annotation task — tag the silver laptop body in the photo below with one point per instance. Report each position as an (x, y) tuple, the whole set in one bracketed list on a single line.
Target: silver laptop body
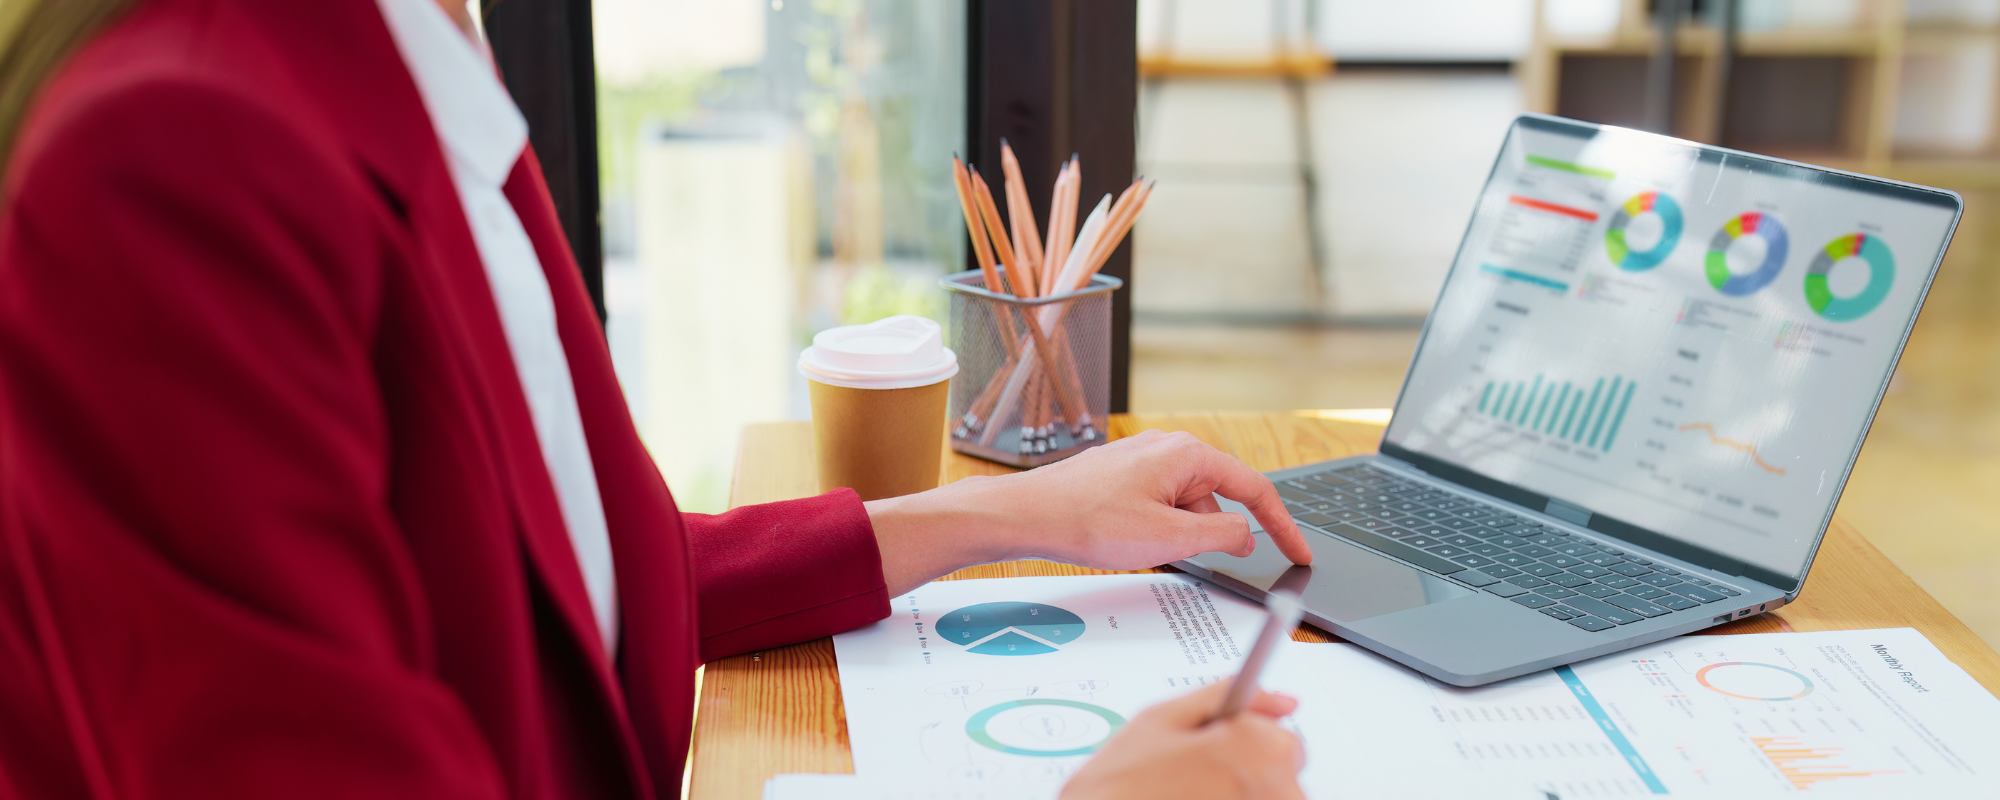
[(1630, 413)]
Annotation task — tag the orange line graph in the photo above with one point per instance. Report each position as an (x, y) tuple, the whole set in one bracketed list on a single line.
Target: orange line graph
[(1801, 765), (1734, 445)]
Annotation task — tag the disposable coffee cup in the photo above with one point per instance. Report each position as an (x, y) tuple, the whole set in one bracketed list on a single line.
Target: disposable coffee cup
[(879, 393)]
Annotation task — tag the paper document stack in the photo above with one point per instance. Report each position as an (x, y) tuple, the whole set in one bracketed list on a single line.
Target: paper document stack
[(1001, 689)]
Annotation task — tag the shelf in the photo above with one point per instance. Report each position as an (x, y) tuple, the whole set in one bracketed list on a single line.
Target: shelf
[(1931, 41), (1702, 41), (1285, 65), (1949, 173), (1786, 87), (1960, 174)]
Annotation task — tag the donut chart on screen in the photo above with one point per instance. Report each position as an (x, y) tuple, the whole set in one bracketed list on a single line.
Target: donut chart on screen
[(1881, 275), (1622, 253), (1776, 247)]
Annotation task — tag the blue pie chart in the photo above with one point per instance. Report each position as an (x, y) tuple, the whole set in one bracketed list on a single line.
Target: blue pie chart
[(1010, 628)]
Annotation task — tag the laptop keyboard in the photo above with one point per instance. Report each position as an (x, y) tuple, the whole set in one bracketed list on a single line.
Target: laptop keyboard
[(1591, 585)]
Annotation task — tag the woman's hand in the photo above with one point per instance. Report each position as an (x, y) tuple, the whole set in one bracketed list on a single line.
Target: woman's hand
[(1137, 502), (1173, 750)]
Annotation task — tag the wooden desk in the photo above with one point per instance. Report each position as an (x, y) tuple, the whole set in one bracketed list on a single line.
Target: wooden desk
[(779, 710)]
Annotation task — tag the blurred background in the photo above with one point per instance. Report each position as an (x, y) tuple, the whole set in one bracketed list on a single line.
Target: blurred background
[(771, 168)]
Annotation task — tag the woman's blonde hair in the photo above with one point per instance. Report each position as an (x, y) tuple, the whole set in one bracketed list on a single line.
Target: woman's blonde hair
[(35, 37)]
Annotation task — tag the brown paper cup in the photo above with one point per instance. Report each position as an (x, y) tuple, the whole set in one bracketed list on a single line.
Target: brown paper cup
[(879, 442)]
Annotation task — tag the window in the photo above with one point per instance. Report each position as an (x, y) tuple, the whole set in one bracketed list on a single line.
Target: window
[(770, 168)]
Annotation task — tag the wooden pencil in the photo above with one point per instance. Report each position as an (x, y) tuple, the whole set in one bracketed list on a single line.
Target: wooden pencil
[(1058, 246), (1017, 278), (974, 227), (982, 406), (1039, 434), (1120, 225), (1072, 192), (981, 252), (1021, 261), (1130, 203), (1021, 213)]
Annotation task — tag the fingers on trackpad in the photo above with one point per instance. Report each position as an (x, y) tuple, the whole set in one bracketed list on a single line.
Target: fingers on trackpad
[(1234, 507)]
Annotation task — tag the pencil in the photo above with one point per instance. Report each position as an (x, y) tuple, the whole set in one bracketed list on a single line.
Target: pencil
[(1022, 285), (1027, 240), (974, 228), (1052, 257), (1017, 279), (1070, 184), (1116, 228), (1038, 386), (980, 251), (1079, 251)]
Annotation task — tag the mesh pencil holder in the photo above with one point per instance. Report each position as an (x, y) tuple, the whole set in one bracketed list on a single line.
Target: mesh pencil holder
[(1034, 380)]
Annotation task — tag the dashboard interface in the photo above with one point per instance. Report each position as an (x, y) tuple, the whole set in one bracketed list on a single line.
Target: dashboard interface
[(1686, 340)]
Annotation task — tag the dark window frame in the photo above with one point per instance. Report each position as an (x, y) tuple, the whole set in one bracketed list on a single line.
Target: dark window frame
[(1056, 77), (547, 59)]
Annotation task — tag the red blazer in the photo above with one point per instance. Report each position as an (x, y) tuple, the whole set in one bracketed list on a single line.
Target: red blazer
[(275, 523)]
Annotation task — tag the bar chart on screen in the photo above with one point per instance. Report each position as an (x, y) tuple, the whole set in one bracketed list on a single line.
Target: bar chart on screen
[(1584, 412)]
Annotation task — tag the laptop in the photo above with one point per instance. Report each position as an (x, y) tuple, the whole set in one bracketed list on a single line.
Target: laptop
[(1630, 413)]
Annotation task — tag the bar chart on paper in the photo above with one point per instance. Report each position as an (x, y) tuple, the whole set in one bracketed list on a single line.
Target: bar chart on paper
[(1803, 766), (1834, 715), (1584, 412)]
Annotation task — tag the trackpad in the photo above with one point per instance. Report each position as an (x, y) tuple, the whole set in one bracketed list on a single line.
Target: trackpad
[(1345, 583)]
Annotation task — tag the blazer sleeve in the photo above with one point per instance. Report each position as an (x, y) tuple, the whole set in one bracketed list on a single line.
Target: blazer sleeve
[(780, 573), (203, 559)]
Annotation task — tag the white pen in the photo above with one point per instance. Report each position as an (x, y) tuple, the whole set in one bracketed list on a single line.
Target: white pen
[(1282, 615)]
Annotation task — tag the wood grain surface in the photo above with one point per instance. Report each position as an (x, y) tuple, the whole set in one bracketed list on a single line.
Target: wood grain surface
[(779, 710)]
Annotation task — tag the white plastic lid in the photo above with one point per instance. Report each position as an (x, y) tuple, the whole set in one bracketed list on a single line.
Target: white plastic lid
[(895, 353)]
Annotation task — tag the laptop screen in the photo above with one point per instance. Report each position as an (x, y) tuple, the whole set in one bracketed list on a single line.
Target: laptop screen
[(1670, 337)]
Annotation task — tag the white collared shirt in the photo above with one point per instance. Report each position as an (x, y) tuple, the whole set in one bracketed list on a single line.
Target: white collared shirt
[(483, 137)]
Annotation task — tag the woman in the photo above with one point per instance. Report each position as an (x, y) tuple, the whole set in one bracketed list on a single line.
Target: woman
[(317, 479)]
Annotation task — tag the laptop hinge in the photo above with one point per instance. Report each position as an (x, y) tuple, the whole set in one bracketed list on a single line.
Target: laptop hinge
[(1568, 513)]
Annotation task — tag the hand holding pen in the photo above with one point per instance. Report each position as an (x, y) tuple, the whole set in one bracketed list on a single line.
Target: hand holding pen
[(1187, 747), (1282, 613)]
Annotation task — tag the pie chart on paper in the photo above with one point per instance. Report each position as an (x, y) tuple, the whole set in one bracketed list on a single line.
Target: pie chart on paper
[(1010, 628)]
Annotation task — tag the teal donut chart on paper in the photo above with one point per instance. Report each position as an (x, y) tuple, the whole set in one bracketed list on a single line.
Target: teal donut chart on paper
[(977, 727)]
